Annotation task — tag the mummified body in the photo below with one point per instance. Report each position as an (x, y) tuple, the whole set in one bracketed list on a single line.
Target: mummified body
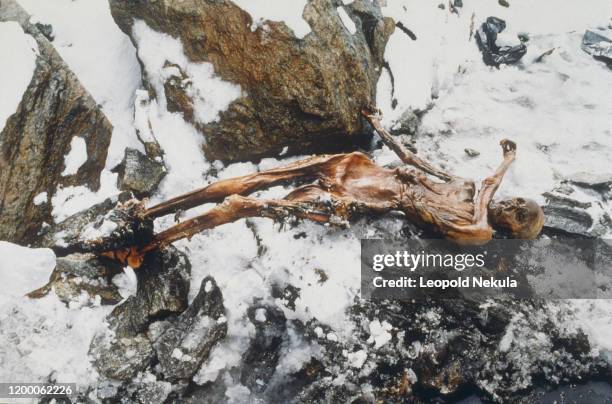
[(342, 186)]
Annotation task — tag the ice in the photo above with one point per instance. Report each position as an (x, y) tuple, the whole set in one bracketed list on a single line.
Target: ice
[(17, 66)]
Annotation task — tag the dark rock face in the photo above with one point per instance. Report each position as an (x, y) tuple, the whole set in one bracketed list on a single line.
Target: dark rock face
[(120, 357), (492, 54), (182, 344), (163, 287), (302, 93), (139, 174), (76, 274), (125, 349), (567, 215), (263, 354), (54, 109)]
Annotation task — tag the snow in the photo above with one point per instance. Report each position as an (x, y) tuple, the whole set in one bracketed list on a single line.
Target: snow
[(23, 270), (102, 57), (72, 199), (40, 198), (357, 359), (346, 20), (277, 10), (558, 111), (76, 157), (93, 231), (379, 333), (40, 338), (260, 315), (15, 71), (161, 53)]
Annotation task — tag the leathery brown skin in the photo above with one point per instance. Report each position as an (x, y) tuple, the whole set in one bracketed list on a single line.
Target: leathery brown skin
[(342, 187)]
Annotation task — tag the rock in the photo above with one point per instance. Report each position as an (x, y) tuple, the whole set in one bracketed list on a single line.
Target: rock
[(149, 392), (106, 226), (503, 3), (46, 30), (139, 174), (598, 182), (185, 342), (176, 88), (261, 358), (567, 220), (54, 110), (125, 349), (305, 94), (286, 294), (78, 274), (471, 152), (440, 348), (492, 54), (599, 45), (407, 124), (560, 199), (163, 288), (120, 358)]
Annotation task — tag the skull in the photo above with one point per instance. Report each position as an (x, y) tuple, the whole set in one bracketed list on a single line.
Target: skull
[(521, 218)]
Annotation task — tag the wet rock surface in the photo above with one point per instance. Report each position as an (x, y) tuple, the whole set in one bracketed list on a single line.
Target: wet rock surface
[(54, 110), (301, 93), (182, 344), (139, 174)]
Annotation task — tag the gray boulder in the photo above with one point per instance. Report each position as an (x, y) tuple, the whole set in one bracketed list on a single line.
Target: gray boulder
[(78, 274), (182, 344), (598, 182), (54, 110), (139, 174), (304, 94), (599, 45), (163, 288), (261, 359)]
